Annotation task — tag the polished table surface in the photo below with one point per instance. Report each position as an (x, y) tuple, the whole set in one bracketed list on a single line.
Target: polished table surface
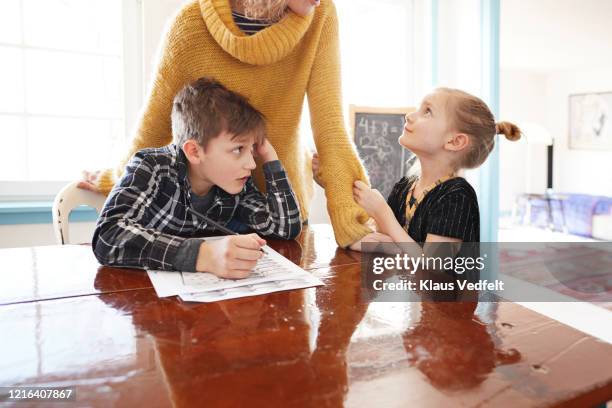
[(66, 321)]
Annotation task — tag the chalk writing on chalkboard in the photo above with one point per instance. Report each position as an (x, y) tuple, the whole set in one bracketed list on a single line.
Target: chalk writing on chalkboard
[(376, 131)]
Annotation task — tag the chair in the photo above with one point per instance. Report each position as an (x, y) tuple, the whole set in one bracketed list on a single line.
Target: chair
[(68, 199)]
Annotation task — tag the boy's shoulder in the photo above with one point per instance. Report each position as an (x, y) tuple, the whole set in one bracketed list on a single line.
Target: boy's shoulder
[(159, 163), (159, 156)]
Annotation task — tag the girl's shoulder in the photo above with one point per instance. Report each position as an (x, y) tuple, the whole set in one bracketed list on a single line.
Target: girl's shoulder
[(455, 188), (457, 185), (406, 181), (402, 185)]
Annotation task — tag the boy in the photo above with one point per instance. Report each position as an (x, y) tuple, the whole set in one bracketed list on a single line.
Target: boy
[(145, 222)]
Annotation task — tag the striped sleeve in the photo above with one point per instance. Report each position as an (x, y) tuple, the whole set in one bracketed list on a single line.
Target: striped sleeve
[(455, 215)]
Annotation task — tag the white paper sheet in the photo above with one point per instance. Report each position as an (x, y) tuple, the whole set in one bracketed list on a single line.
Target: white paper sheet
[(251, 290), (273, 268)]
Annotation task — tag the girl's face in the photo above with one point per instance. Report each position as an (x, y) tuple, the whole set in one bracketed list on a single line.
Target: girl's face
[(427, 130), (303, 7)]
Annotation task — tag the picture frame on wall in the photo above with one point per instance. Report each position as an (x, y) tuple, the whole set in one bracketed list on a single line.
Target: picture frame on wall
[(590, 121)]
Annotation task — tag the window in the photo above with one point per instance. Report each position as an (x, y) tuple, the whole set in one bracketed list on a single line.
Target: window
[(62, 105)]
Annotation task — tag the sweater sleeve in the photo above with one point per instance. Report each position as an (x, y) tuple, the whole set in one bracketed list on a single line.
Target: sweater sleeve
[(340, 165), (154, 126)]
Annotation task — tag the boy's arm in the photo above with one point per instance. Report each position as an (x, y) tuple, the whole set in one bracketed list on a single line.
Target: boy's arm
[(276, 213), (120, 239)]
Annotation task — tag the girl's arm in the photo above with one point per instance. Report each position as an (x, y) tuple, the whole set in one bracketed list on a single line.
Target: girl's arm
[(376, 206), (386, 223)]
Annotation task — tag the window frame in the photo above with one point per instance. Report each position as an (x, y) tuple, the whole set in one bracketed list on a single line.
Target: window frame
[(132, 93)]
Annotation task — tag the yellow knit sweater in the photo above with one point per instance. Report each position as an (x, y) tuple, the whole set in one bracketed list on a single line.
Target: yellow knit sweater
[(274, 68)]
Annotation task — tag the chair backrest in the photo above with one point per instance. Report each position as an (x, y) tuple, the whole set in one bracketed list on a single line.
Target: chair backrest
[(68, 199)]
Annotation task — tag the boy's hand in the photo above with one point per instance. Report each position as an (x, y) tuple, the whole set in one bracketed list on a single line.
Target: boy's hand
[(232, 257), (266, 151), (370, 199), (371, 237)]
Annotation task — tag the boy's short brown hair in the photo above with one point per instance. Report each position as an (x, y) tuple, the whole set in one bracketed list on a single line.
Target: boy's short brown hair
[(205, 108)]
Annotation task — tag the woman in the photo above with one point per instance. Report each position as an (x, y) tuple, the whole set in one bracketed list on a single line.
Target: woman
[(274, 52)]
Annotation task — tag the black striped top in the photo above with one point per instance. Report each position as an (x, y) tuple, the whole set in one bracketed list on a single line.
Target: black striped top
[(449, 209), (248, 26)]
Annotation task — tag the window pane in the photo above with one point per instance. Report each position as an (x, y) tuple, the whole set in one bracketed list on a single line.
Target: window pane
[(11, 80), (13, 142), (60, 149), (86, 25), (59, 83), (368, 53), (10, 22)]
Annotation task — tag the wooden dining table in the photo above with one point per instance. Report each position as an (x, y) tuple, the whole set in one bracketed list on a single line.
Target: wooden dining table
[(66, 321)]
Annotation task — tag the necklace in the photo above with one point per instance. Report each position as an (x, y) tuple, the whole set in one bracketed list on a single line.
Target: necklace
[(412, 202)]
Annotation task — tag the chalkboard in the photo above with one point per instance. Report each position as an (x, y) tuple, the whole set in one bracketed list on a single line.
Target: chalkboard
[(375, 131)]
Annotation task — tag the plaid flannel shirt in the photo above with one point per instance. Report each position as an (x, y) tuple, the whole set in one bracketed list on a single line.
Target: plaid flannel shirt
[(141, 227)]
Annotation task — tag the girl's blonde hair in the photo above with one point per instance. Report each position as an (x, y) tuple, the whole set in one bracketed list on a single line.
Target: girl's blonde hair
[(265, 10), (470, 115)]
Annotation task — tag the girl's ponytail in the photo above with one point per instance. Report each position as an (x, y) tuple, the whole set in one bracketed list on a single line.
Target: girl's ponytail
[(510, 130)]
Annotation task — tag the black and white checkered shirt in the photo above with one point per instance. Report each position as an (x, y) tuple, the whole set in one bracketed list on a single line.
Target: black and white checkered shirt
[(141, 227)]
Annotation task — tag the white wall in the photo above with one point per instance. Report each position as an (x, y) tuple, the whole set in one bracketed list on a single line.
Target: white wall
[(549, 50), (577, 171), (522, 167), (548, 35)]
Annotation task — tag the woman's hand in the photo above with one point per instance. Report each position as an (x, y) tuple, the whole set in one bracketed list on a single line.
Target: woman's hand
[(316, 166), (370, 199), (89, 181), (371, 237), (266, 151)]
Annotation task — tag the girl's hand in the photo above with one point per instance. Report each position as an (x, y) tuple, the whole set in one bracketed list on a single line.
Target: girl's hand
[(370, 199), (371, 237), (89, 181), (266, 151), (316, 165)]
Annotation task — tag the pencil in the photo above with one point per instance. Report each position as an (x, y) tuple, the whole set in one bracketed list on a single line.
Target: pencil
[(208, 220)]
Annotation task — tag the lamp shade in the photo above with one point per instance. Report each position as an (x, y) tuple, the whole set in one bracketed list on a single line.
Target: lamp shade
[(534, 133)]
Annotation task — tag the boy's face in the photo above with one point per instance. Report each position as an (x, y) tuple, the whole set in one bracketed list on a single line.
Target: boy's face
[(426, 130), (226, 162)]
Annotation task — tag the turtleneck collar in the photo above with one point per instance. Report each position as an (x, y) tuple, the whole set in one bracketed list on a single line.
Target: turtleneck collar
[(265, 47)]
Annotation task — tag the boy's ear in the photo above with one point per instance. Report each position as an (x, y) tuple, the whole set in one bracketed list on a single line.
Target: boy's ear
[(458, 142), (193, 151)]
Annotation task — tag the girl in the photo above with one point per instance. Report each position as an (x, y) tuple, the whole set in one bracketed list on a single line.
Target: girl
[(452, 130)]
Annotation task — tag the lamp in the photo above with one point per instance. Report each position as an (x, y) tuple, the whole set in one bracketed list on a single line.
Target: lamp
[(536, 134)]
